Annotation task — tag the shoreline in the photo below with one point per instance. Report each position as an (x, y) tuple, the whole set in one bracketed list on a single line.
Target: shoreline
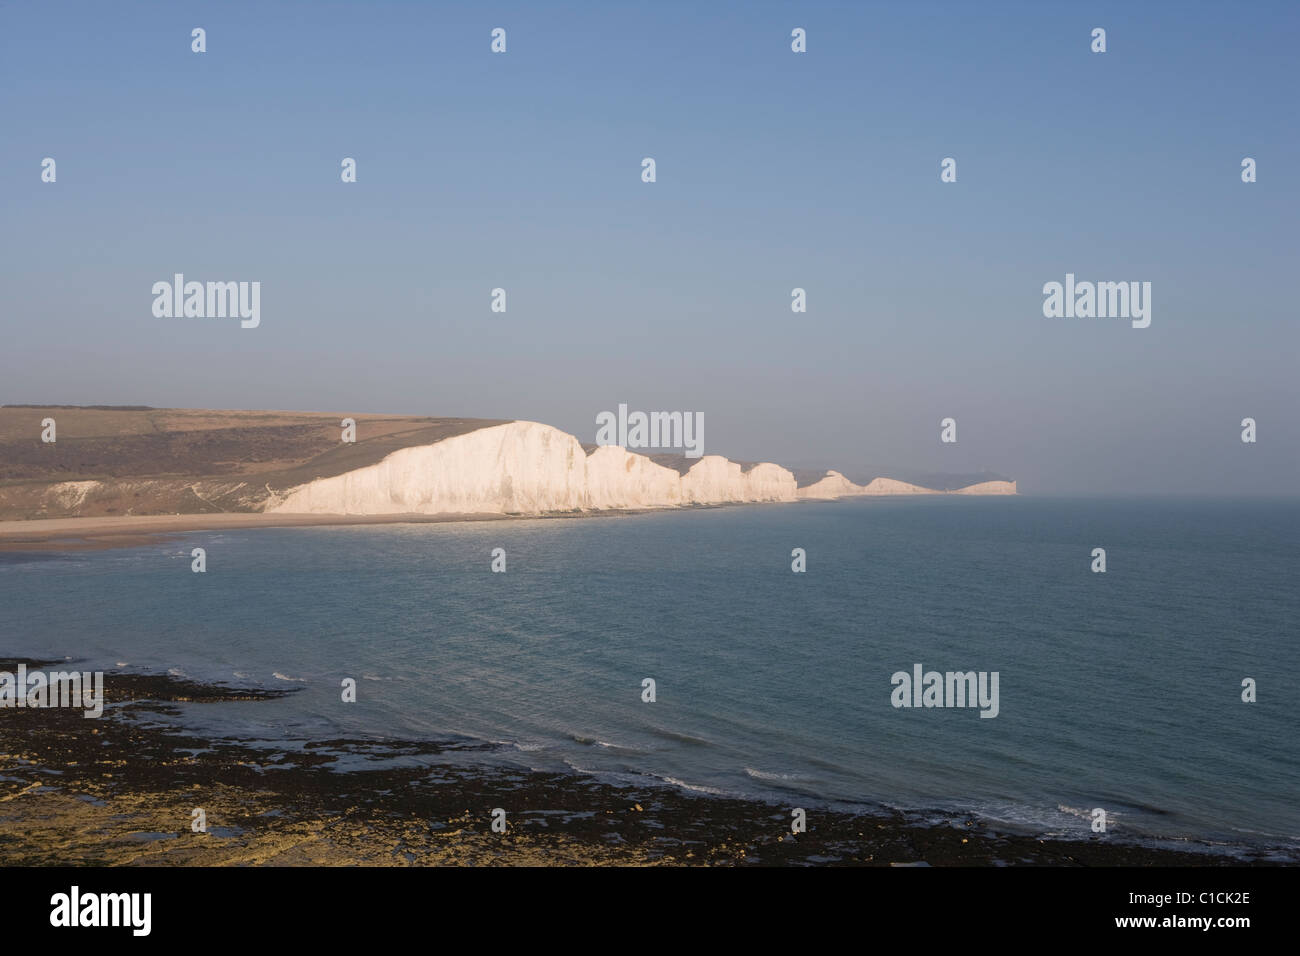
[(127, 531), (94, 534), (122, 790)]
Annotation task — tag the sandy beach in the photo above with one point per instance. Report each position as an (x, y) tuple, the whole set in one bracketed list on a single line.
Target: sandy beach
[(82, 534), (93, 534)]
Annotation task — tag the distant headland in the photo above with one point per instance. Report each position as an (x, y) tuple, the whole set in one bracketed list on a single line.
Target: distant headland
[(116, 464)]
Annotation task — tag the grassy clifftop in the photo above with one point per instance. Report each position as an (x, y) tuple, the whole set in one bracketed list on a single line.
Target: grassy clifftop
[(134, 460)]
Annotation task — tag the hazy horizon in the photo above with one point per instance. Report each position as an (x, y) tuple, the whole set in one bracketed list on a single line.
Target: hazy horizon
[(775, 170)]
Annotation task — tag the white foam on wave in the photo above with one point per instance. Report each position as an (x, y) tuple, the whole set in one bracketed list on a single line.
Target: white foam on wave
[(772, 775), (1112, 817), (695, 787), (297, 680)]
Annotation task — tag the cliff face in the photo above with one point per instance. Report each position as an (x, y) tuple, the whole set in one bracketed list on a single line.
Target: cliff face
[(834, 485), (714, 480), (618, 478), (521, 467), (132, 462), (529, 468), (989, 488), (891, 486)]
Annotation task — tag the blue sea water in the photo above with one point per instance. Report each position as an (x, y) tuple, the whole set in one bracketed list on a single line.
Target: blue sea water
[(1119, 690)]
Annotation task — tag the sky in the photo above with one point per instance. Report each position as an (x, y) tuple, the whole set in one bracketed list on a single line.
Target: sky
[(775, 170)]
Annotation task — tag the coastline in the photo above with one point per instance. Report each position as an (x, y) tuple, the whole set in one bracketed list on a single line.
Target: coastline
[(121, 790), (96, 534), (128, 531), (93, 534)]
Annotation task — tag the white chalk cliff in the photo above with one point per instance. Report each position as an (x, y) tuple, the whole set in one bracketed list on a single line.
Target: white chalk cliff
[(834, 485), (531, 468), (891, 486), (989, 488)]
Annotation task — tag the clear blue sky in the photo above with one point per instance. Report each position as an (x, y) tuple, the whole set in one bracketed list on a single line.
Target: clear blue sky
[(775, 170)]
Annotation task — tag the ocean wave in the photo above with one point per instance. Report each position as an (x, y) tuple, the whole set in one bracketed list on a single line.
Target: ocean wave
[(297, 680), (1112, 818), (605, 744), (772, 775), (694, 787), (681, 737)]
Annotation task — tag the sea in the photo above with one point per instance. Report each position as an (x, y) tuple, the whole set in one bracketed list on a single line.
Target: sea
[(1120, 690)]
